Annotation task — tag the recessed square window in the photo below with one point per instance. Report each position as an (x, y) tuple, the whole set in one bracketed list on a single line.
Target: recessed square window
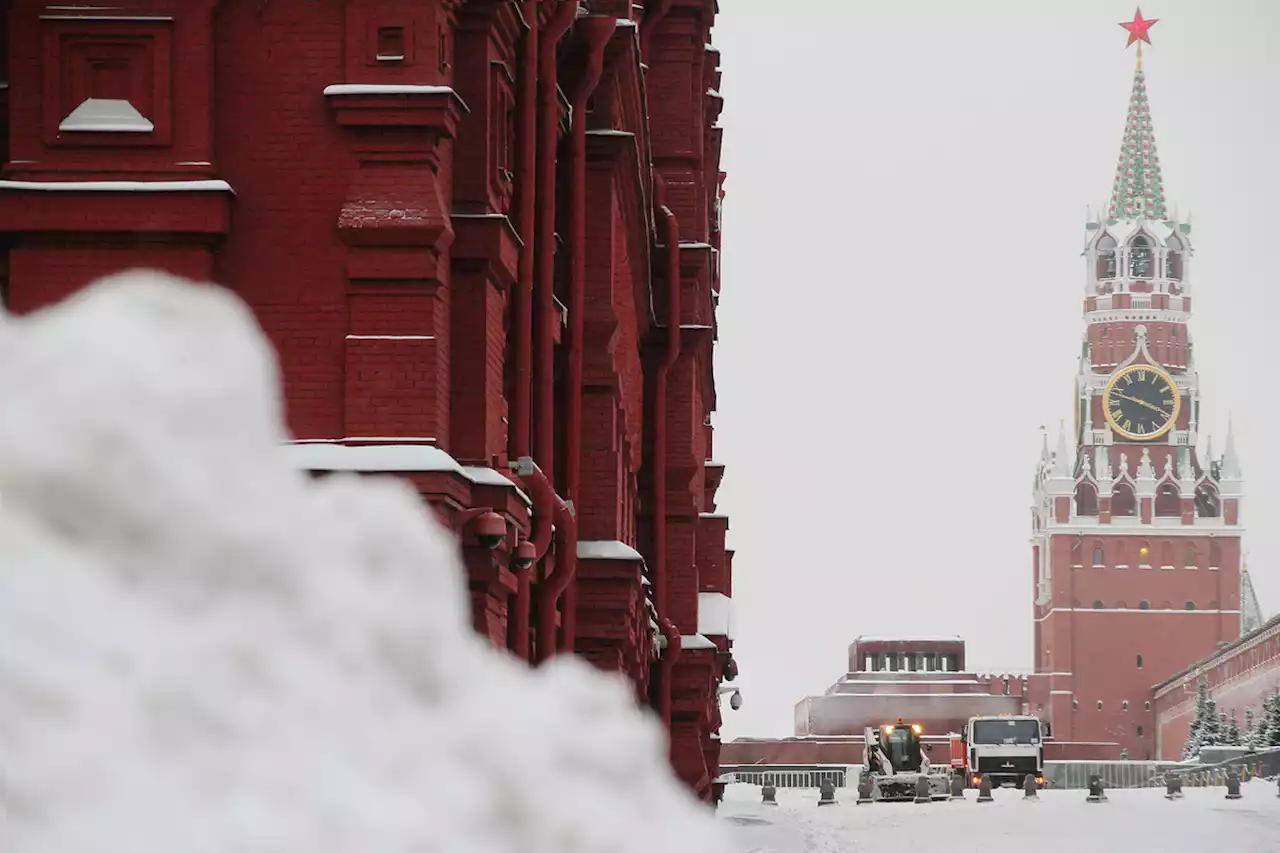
[(390, 47), (108, 82)]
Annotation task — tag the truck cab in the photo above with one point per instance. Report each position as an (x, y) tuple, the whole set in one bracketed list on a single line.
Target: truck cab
[(1006, 748)]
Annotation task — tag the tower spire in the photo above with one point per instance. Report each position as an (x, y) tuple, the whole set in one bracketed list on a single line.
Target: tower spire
[(1138, 189)]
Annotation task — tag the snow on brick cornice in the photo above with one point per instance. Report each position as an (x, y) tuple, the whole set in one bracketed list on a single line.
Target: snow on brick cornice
[(908, 638), (386, 89), (324, 455), (371, 458), (606, 549), (715, 615), (119, 186), (695, 641)]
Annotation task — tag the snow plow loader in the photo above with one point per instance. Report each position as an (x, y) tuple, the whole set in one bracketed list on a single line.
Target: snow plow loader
[(894, 760)]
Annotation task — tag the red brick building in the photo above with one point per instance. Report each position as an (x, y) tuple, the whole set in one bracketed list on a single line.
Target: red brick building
[(483, 236)]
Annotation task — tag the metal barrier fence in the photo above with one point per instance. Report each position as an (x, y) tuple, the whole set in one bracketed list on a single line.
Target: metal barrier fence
[(1264, 764), (790, 775), (1074, 775), (1069, 775)]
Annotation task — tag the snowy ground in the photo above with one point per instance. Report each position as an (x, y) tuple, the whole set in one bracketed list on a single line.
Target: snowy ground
[(1132, 821)]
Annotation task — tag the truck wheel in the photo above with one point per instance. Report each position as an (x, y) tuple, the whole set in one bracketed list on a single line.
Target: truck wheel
[(1020, 781)]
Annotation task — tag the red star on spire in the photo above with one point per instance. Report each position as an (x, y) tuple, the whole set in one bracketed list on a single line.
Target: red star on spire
[(1138, 28)]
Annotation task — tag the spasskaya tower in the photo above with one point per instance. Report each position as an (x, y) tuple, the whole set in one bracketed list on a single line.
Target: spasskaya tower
[(1135, 532)]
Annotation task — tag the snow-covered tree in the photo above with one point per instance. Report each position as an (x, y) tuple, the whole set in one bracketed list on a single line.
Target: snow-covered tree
[(1270, 726), (1199, 723), (1250, 734), (1232, 734)]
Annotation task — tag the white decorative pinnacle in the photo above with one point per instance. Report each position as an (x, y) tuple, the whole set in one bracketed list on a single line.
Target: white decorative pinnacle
[(1230, 462), (1146, 471), (1060, 466), (1102, 470)]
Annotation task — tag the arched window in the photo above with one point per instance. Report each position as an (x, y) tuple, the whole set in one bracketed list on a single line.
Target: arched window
[(1144, 605), (1099, 704), (1166, 555), (1140, 257), (1139, 730), (1086, 499), (1215, 554), (1146, 706), (1173, 259), (1124, 706), (1123, 501), (1106, 257), (1144, 554), (1097, 604), (1168, 503), (1207, 501), (1190, 605), (1099, 558), (1140, 660), (1189, 558)]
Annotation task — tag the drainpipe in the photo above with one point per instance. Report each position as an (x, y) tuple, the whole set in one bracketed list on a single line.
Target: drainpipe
[(596, 32), (671, 236), (522, 297), (546, 315), (650, 23)]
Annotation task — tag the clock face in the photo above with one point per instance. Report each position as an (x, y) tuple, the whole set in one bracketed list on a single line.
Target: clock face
[(1141, 402)]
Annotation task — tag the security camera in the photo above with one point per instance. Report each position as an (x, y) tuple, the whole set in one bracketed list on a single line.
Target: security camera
[(491, 530), (735, 701), (730, 669), (524, 556)]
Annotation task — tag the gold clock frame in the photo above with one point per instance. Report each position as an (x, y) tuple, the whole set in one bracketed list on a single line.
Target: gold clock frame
[(1135, 368)]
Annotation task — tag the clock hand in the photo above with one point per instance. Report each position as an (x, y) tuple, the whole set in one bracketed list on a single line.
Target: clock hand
[(1151, 406)]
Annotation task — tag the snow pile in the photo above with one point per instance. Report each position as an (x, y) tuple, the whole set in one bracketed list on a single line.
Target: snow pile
[(204, 651)]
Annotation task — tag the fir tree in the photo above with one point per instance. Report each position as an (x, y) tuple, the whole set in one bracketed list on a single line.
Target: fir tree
[(1233, 737), (1199, 723), (1250, 729), (1271, 721)]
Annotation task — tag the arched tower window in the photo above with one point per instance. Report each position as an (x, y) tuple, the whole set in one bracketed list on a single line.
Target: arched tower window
[(1086, 499), (1168, 503), (1206, 501), (1106, 257), (1123, 501), (1139, 661), (1190, 605), (1215, 554), (1173, 259), (1141, 257), (1166, 555), (1144, 554), (1097, 604), (1099, 558), (1143, 605), (1189, 558)]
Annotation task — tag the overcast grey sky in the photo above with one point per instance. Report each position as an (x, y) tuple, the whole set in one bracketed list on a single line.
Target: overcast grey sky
[(902, 290)]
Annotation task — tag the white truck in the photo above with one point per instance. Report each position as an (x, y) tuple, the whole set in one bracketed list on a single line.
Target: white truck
[(1005, 748)]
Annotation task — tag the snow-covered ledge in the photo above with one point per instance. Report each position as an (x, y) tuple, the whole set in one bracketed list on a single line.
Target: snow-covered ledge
[(371, 457), (689, 642), (120, 186), (390, 458), (715, 615), (607, 549)]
